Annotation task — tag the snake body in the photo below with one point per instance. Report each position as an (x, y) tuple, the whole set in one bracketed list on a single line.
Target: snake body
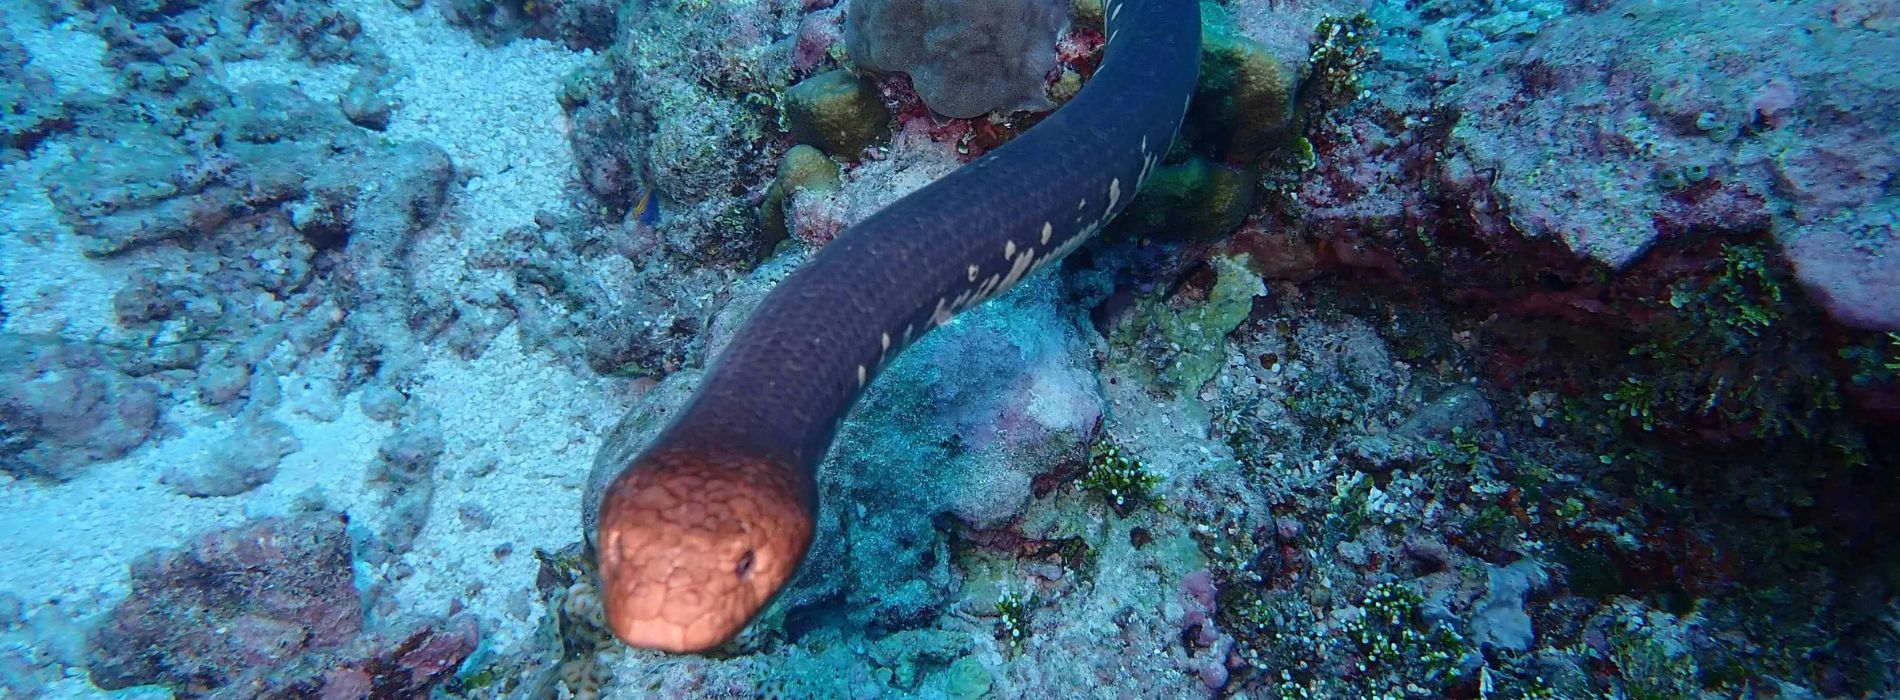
[(698, 533)]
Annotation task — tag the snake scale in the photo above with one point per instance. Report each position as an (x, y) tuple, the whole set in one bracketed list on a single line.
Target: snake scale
[(698, 533)]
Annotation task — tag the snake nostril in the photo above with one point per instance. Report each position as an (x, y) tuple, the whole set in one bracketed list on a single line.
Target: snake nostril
[(744, 568)]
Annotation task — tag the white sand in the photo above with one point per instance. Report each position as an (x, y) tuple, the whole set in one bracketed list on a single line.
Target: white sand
[(494, 111)]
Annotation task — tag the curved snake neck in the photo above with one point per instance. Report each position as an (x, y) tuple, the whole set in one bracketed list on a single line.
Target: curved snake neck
[(698, 533)]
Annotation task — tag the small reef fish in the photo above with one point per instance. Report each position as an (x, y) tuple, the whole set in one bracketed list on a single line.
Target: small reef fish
[(646, 212)]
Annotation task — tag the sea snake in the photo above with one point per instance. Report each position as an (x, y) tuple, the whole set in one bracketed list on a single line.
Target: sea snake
[(699, 532)]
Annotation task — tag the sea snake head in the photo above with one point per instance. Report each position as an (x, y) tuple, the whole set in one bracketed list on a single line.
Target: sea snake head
[(692, 545)]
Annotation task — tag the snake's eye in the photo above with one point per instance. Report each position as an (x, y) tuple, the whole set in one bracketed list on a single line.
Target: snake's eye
[(744, 567)]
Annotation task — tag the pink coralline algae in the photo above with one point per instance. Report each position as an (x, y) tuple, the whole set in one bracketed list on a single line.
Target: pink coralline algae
[(1208, 645), (268, 609), (246, 597), (817, 34)]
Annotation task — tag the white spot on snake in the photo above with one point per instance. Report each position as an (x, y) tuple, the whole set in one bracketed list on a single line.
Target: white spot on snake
[(1047, 231), (1114, 194), (989, 287), (1022, 266), (861, 375), (1112, 14), (973, 272), (909, 328), (1079, 206), (1144, 144), (946, 309), (1148, 164), (887, 342), (1009, 249)]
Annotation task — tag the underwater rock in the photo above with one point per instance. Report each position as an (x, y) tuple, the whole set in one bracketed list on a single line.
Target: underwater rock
[(381, 402), (579, 24), (1382, 452), (223, 378), (29, 108), (405, 467), (1500, 620), (373, 279), (233, 602), (248, 460), (964, 58), (149, 10), (366, 103), (960, 425), (818, 34), (608, 131), (606, 317), (384, 665), (1850, 264), (1463, 410), (38, 646), (283, 153), (643, 336), (838, 112), (1605, 146), (148, 295), (65, 407), (1182, 340)]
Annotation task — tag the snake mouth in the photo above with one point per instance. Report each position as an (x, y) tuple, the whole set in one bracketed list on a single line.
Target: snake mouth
[(692, 548)]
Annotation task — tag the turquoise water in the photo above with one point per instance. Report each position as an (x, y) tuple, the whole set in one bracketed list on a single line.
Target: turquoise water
[(1454, 349)]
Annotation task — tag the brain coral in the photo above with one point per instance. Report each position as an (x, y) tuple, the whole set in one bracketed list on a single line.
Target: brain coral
[(965, 57)]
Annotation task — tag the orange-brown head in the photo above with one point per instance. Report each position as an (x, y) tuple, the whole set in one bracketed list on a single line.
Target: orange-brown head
[(692, 546)]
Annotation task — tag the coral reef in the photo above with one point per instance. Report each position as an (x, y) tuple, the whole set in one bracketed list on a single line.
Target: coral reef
[(1521, 349)]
